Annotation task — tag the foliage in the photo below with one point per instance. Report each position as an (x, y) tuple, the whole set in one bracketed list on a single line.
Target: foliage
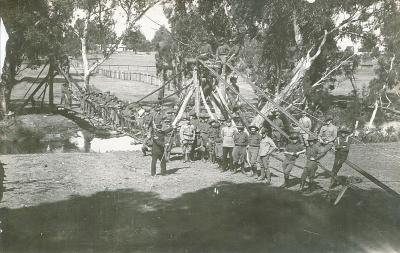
[(274, 35), (136, 41)]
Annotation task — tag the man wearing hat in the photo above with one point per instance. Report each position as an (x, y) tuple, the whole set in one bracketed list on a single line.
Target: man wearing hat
[(304, 123), (241, 139), (204, 129), (228, 143), (222, 50), (198, 146), (214, 140), (342, 147), (267, 146), (157, 117), (313, 154), (158, 149), (187, 135), (253, 148), (205, 49), (170, 139), (276, 135), (327, 135), (292, 151)]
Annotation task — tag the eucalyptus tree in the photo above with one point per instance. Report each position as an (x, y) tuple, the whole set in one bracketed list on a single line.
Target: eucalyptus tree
[(292, 44), (93, 22)]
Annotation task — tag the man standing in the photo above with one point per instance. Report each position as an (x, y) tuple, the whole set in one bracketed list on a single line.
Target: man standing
[(157, 117), (276, 135), (313, 155), (187, 135), (227, 133), (327, 136), (198, 147), (241, 140), (267, 146), (292, 152), (204, 129), (304, 123), (216, 143), (158, 149), (253, 148), (342, 147)]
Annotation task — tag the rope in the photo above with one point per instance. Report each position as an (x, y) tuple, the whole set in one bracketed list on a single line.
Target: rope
[(35, 80), (176, 92), (241, 97), (161, 87), (262, 93)]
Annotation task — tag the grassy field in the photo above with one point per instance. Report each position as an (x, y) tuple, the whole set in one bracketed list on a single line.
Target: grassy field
[(126, 90)]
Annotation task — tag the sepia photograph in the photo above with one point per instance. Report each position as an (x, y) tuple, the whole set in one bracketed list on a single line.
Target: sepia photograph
[(199, 126)]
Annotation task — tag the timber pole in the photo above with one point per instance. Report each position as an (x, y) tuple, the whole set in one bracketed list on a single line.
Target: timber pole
[(154, 91), (197, 92), (51, 81), (350, 164), (280, 130)]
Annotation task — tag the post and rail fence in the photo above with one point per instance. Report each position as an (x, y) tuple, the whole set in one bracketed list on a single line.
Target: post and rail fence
[(129, 76)]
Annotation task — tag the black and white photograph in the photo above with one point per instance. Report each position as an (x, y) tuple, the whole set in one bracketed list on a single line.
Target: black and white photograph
[(199, 126)]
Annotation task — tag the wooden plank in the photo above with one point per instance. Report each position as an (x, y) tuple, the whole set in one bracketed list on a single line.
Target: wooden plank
[(244, 100)]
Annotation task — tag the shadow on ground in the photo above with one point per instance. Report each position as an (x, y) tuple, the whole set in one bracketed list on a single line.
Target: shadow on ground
[(239, 218)]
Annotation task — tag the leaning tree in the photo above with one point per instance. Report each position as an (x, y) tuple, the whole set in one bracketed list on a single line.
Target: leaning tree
[(294, 43)]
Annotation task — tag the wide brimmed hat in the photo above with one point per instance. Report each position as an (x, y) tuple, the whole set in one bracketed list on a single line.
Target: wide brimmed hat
[(328, 118), (254, 127), (344, 130), (312, 138)]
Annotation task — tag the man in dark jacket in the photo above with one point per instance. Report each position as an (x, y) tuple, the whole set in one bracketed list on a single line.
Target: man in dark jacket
[(241, 139), (159, 139), (342, 147)]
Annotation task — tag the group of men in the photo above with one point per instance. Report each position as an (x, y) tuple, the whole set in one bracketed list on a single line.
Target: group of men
[(231, 146), (237, 149), (119, 114)]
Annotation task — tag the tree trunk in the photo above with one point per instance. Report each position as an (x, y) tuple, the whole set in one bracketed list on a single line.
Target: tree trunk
[(371, 121), (86, 71), (50, 82), (299, 72), (3, 98), (7, 80)]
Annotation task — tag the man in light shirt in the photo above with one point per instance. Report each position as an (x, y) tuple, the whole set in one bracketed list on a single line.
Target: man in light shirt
[(228, 143), (187, 134), (327, 136), (305, 123), (267, 146)]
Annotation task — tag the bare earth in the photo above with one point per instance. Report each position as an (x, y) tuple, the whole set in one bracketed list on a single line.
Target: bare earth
[(89, 202)]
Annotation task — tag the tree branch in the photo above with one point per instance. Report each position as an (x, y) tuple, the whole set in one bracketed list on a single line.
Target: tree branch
[(113, 48), (331, 71)]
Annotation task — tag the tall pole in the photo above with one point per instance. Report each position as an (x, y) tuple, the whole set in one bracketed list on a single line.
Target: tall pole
[(222, 86), (197, 92), (51, 81)]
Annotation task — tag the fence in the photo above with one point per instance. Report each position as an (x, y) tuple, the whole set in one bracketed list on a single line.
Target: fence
[(129, 76), (151, 69)]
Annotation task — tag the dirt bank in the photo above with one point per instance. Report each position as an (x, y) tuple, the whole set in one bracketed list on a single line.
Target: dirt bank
[(109, 203)]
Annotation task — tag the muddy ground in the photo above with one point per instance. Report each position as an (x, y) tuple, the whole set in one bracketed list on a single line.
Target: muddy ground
[(109, 203)]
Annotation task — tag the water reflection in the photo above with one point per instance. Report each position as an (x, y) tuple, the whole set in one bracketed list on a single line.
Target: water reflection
[(80, 141), (87, 142)]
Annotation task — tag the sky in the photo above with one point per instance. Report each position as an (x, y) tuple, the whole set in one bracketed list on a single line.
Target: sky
[(147, 27)]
